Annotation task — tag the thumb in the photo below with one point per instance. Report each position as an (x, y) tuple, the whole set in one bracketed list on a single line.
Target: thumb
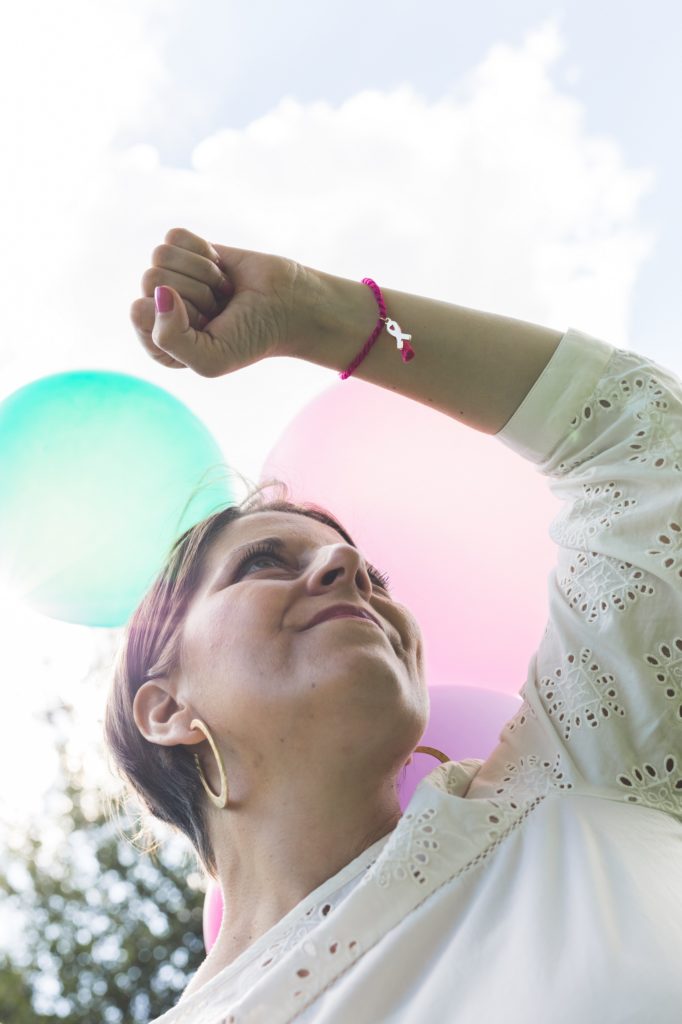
[(172, 332)]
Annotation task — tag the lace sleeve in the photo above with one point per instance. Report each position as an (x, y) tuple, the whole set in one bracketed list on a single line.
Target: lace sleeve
[(603, 699)]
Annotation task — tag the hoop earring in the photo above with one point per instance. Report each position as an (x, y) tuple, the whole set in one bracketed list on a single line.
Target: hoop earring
[(219, 799), (433, 752)]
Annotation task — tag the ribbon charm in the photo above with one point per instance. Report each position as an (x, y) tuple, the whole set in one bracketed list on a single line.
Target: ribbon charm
[(402, 340)]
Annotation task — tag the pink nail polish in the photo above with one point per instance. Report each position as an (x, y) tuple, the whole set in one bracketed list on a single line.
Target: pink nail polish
[(163, 299)]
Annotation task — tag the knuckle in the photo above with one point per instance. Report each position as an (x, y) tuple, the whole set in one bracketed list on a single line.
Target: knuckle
[(176, 236), (150, 279), (137, 310), (208, 299), (160, 253), (193, 312)]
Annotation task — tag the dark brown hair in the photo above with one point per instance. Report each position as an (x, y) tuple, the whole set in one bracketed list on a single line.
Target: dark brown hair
[(164, 780)]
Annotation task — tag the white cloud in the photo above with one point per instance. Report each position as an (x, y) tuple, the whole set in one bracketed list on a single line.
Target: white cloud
[(495, 197)]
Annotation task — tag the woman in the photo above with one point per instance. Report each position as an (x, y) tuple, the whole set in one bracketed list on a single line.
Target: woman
[(543, 882)]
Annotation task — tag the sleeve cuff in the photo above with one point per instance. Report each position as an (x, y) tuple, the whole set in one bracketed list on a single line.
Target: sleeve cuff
[(543, 419)]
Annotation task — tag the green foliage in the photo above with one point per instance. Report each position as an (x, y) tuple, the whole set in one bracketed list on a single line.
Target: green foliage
[(107, 934)]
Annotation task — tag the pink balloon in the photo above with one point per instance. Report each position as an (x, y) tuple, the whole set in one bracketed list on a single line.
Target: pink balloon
[(213, 914), (459, 522), (464, 723)]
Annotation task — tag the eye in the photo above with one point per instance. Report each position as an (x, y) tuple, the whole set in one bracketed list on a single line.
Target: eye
[(256, 553), (267, 551), (380, 578)]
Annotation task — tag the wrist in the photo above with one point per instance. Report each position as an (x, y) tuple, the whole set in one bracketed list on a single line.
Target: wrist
[(334, 318)]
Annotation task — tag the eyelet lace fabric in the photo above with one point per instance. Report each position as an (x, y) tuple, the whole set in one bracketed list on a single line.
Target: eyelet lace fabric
[(546, 881)]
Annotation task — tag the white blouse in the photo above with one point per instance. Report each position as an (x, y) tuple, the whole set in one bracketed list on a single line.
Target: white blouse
[(544, 883)]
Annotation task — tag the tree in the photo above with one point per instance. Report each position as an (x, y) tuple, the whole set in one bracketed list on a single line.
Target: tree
[(107, 933)]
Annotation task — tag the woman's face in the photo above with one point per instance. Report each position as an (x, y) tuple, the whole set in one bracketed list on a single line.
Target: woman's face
[(273, 689)]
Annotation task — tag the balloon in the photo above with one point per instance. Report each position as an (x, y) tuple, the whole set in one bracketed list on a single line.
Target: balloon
[(95, 472), (459, 521), (213, 914), (464, 723)]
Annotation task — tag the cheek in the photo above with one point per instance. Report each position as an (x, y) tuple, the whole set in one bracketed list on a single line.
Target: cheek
[(207, 637), (228, 633)]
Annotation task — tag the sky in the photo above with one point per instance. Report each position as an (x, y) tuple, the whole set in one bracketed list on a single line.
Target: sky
[(521, 159)]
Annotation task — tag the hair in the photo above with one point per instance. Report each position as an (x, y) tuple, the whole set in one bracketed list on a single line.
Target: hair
[(164, 780)]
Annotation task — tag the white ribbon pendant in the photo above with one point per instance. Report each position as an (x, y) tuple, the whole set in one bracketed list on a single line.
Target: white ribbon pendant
[(393, 327)]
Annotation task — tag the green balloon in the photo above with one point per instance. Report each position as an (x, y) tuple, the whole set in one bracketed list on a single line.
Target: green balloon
[(98, 474)]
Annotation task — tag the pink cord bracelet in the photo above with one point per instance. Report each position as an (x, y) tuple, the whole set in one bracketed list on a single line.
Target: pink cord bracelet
[(402, 340)]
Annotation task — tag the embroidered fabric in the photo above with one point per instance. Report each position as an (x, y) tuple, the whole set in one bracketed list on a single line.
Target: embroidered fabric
[(603, 700), (293, 929), (571, 830)]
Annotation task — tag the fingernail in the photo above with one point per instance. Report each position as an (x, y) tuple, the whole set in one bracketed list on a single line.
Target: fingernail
[(225, 287), (163, 298)]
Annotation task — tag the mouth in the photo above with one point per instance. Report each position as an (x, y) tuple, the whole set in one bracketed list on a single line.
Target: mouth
[(346, 611), (347, 615)]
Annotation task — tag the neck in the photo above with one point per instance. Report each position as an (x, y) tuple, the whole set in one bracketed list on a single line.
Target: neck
[(298, 846)]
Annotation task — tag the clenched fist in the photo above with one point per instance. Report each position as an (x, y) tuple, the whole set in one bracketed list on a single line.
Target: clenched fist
[(231, 307)]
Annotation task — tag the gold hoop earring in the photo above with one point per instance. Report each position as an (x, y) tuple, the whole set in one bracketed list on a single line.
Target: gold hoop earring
[(219, 799), (433, 752)]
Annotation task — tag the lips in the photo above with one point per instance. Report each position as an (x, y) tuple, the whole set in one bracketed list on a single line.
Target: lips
[(341, 610)]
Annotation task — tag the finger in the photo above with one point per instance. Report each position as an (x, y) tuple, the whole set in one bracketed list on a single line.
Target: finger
[(140, 316), (198, 267), (195, 293), (183, 239), (145, 314), (175, 336)]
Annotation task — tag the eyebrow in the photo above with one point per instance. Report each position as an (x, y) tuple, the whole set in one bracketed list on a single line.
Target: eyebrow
[(279, 545)]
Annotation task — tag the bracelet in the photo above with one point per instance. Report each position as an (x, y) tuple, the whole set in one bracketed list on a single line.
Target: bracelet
[(392, 326)]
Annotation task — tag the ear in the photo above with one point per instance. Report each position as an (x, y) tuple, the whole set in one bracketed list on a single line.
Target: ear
[(160, 718)]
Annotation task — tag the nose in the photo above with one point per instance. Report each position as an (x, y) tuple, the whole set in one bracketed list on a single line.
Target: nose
[(345, 561)]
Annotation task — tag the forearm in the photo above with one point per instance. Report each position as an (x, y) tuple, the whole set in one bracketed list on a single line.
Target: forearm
[(473, 366)]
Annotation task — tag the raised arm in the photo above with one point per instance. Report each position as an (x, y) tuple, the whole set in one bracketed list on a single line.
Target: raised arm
[(474, 366), (232, 307)]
